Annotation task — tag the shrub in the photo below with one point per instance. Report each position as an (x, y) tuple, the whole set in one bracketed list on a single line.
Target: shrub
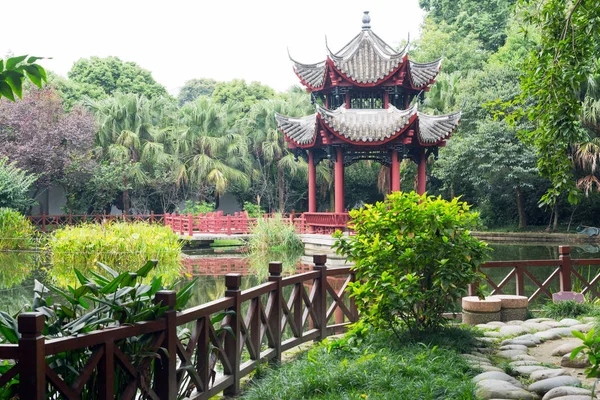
[(274, 239), (14, 186), (253, 210), (16, 231), (120, 245), (414, 256), (198, 207), (565, 309)]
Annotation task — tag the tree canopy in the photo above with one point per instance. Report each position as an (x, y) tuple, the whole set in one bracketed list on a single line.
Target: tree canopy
[(195, 88)]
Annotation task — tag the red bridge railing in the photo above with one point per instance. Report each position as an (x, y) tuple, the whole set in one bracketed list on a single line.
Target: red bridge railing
[(529, 280), (261, 323)]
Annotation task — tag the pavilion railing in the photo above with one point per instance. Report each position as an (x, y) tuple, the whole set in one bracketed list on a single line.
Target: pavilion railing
[(259, 324), (524, 274)]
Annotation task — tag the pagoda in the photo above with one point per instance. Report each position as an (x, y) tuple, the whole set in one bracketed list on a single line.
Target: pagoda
[(366, 97)]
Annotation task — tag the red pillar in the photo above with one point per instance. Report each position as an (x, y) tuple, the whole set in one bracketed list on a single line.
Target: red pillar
[(312, 183), (347, 99), (421, 173), (339, 181), (395, 172), (386, 100)]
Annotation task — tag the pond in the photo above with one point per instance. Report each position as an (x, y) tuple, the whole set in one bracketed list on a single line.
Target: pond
[(18, 270)]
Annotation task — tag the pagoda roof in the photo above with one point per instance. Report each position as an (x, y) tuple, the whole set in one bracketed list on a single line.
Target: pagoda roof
[(366, 60), (367, 126)]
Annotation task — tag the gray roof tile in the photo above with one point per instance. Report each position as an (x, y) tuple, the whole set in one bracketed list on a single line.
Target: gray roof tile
[(434, 128), (301, 130), (422, 74)]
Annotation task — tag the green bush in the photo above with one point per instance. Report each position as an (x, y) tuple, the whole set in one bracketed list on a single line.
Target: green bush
[(565, 309), (14, 186), (120, 245), (16, 231), (274, 239), (414, 256), (198, 207), (253, 210)]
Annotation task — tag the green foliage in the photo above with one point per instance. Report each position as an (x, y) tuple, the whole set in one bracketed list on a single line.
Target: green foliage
[(253, 210), (195, 88), (13, 71), (239, 92), (198, 207), (14, 186), (591, 348), (413, 256), (273, 239), (565, 309), (103, 300), (16, 231), (15, 267), (375, 367), (112, 75), (117, 244)]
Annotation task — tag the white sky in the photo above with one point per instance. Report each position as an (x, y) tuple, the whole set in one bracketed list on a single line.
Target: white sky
[(179, 40)]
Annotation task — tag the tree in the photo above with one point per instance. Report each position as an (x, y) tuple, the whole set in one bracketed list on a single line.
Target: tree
[(111, 75), (239, 92), (13, 72), (41, 137), (15, 184), (195, 88)]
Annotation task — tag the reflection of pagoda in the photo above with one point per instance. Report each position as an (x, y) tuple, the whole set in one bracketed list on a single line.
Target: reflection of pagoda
[(367, 91)]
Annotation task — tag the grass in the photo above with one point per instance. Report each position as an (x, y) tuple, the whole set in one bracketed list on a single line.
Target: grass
[(379, 367), (566, 309), (227, 243)]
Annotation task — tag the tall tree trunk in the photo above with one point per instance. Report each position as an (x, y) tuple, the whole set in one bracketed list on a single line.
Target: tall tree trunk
[(280, 188), (521, 208), (555, 224)]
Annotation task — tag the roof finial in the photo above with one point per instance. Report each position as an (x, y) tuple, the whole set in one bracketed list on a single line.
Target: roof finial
[(366, 20)]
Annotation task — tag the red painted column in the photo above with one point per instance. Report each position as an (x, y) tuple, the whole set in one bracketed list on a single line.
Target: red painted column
[(421, 173), (395, 172), (347, 99), (339, 181), (312, 183), (386, 100)]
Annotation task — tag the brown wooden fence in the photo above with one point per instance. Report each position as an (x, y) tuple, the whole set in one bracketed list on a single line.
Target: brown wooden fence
[(265, 321), (562, 271), (46, 222)]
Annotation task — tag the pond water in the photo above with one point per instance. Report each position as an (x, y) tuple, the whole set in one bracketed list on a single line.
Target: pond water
[(18, 270)]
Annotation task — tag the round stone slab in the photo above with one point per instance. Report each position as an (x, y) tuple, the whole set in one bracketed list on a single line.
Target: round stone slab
[(474, 303), (567, 391), (497, 389), (512, 301), (501, 376), (566, 348), (546, 373), (545, 385)]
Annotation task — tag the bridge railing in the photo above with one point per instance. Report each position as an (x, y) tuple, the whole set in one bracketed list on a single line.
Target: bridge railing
[(46, 222), (535, 278), (198, 352)]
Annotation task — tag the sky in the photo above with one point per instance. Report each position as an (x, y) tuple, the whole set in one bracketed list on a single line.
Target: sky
[(180, 40)]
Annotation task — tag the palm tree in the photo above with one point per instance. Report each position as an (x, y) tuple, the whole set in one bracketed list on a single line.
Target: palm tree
[(211, 150)]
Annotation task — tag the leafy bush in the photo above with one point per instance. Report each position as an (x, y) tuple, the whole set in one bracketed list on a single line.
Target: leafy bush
[(565, 309), (272, 239), (198, 207), (95, 303), (253, 210), (119, 244), (414, 256), (14, 186), (16, 231)]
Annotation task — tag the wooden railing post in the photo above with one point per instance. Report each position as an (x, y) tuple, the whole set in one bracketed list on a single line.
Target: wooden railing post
[(320, 300), (151, 217), (165, 381), (520, 283), (473, 288), (233, 342), (190, 220), (275, 315), (43, 221), (32, 357), (565, 268)]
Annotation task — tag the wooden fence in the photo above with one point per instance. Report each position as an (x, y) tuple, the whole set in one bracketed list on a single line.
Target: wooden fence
[(46, 222), (264, 321), (562, 272)]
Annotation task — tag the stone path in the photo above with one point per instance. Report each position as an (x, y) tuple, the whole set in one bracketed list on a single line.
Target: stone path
[(536, 354)]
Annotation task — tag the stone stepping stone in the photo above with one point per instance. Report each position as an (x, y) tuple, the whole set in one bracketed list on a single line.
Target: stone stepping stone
[(581, 361), (476, 358), (536, 326), (486, 327), (498, 389), (569, 322), (501, 376), (511, 330), (550, 334), (496, 323), (582, 327), (545, 385), (562, 391), (566, 348), (526, 343), (561, 331), (523, 357), (526, 370), (575, 397), (547, 373), (515, 322), (488, 339), (520, 363), (510, 353), (552, 323), (489, 368), (588, 319), (529, 337), (513, 347), (493, 334), (537, 320)]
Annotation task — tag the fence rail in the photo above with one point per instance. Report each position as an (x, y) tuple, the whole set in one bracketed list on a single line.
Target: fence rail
[(259, 324), (47, 222), (563, 272)]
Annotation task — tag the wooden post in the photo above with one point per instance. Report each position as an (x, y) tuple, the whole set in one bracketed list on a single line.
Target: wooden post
[(151, 217), (228, 224), (70, 218), (565, 268), (473, 288), (233, 342), (190, 221), (165, 381), (43, 221), (32, 357), (312, 182), (106, 372), (520, 283), (320, 301), (275, 316)]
